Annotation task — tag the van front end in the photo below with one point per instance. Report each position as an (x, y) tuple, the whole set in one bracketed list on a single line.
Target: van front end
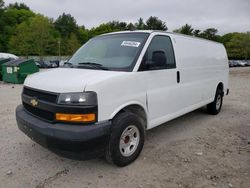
[(66, 124)]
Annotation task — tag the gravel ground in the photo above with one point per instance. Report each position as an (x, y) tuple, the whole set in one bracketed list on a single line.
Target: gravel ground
[(195, 150)]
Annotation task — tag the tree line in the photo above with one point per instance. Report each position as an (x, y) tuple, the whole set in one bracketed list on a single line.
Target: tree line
[(26, 33)]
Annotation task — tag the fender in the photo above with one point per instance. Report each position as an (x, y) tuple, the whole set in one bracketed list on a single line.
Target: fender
[(128, 104)]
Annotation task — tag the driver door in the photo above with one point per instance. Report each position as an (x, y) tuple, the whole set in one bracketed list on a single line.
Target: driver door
[(161, 76)]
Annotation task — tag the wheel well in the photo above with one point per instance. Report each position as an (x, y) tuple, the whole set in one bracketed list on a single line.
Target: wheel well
[(136, 109), (220, 87)]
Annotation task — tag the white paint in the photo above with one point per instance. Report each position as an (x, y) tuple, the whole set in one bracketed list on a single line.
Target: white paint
[(63, 80), (7, 55), (202, 65), (9, 70)]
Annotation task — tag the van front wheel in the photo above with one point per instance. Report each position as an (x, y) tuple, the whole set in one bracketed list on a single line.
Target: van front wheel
[(126, 139), (215, 106)]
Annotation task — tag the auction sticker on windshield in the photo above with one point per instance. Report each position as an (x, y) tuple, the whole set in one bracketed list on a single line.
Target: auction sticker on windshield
[(131, 43)]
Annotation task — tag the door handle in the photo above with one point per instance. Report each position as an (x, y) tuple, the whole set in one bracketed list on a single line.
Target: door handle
[(178, 76)]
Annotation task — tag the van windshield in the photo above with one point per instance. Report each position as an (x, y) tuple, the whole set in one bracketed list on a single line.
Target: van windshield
[(118, 52)]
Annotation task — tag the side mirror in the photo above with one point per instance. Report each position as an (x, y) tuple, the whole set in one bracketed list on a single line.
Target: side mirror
[(158, 59)]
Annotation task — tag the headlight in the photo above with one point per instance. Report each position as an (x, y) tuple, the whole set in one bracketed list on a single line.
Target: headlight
[(85, 98)]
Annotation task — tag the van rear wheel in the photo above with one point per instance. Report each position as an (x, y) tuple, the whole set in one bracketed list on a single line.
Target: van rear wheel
[(215, 106), (126, 139)]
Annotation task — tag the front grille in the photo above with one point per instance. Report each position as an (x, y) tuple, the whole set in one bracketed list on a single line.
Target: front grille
[(44, 96), (46, 115)]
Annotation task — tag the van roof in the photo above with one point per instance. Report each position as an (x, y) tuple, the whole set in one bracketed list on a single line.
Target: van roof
[(160, 31)]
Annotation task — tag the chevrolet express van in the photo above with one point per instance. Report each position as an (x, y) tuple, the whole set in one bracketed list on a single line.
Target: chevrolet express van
[(117, 86)]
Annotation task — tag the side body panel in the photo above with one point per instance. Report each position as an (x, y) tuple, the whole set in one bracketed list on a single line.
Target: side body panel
[(203, 65)]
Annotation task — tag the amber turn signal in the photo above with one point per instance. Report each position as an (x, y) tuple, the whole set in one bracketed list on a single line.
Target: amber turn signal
[(75, 117)]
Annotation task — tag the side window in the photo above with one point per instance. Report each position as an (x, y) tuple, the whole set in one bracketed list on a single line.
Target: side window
[(159, 55)]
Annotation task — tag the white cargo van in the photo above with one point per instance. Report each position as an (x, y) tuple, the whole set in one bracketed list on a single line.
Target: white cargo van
[(117, 86)]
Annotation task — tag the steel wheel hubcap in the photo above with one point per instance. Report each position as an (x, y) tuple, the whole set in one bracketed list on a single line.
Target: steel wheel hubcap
[(218, 102), (129, 140)]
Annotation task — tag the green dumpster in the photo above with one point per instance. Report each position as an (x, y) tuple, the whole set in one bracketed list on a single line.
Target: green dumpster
[(2, 61), (17, 70)]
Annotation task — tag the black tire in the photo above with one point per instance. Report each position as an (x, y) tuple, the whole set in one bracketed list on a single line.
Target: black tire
[(121, 123), (215, 106)]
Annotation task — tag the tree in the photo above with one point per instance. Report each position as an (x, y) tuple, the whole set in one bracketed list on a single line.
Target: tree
[(196, 32), (186, 29), (154, 23), (66, 24), (9, 20), (40, 33), (131, 27), (101, 29), (14, 16), (1, 4), (239, 46), (246, 45), (83, 35), (117, 26), (73, 44), (140, 25), (18, 6), (1, 25), (33, 37), (227, 37), (19, 44), (210, 34)]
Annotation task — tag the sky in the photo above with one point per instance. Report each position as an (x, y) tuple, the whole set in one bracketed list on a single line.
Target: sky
[(224, 15)]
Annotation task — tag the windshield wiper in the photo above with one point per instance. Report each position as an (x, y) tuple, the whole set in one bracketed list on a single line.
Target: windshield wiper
[(68, 64), (92, 65)]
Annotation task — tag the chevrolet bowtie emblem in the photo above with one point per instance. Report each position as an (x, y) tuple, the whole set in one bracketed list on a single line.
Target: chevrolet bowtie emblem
[(34, 102)]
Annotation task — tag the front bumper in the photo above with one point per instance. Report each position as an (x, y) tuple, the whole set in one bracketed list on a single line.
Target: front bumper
[(72, 141)]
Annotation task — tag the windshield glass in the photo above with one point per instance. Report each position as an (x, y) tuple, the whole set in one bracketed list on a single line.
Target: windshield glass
[(110, 52)]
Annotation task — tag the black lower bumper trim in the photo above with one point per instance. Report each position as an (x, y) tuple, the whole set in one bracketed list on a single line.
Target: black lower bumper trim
[(73, 141)]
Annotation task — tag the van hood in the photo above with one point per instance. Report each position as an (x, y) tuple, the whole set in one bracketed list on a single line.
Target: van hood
[(64, 80)]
